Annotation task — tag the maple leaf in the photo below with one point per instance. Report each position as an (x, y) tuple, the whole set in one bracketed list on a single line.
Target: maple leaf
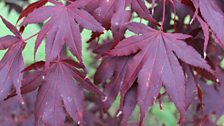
[(59, 88), (31, 80), (31, 7), (11, 27), (62, 27), (111, 74), (192, 86), (212, 95), (59, 91), (129, 104), (140, 8), (12, 109), (105, 11), (11, 67), (93, 119), (214, 17), (11, 64), (119, 20), (113, 69), (156, 63), (7, 41), (57, 98), (196, 118), (112, 14)]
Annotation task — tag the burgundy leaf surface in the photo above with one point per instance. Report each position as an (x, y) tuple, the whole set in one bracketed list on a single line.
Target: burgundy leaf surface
[(11, 65), (62, 28), (60, 93), (214, 16), (156, 64), (174, 54)]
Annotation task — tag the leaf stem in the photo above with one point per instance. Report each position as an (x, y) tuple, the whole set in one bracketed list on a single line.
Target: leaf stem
[(164, 13), (31, 36), (175, 15)]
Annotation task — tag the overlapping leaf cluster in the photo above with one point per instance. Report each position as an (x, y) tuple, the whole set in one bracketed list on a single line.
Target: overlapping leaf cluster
[(165, 53)]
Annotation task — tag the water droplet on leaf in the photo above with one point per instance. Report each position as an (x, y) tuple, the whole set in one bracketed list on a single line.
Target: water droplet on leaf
[(23, 103), (119, 113), (217, 80), (104, 99), (205, 55), (69, 99)]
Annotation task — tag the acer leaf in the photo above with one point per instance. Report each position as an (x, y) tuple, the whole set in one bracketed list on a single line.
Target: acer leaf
[(110, 73), (129, 104), (205, 29), (138, 68), (105, 12), (59, 91), (193, 88), (196, 118), (140, 8), (8, 40), (30, 82), (56, 98), (11, 27), (112, 69), (119, 20), (156, 63), (11, 64), (62, 28), (35, 66), (112, 14), (212, 94), (11, 67), (214, 16), (31, 7)]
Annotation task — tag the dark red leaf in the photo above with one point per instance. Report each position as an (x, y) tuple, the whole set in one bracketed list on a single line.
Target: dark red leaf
[(214, 16), (119, 20), (129, 105), (62, 28), (73, 63), (212, 96), (34, 66), (140, 8), (105, 12), (30, 82), (11, 67), (31, 7), (7, 41), (112, 69), (59, 94), (157, 63), (11, 27)]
